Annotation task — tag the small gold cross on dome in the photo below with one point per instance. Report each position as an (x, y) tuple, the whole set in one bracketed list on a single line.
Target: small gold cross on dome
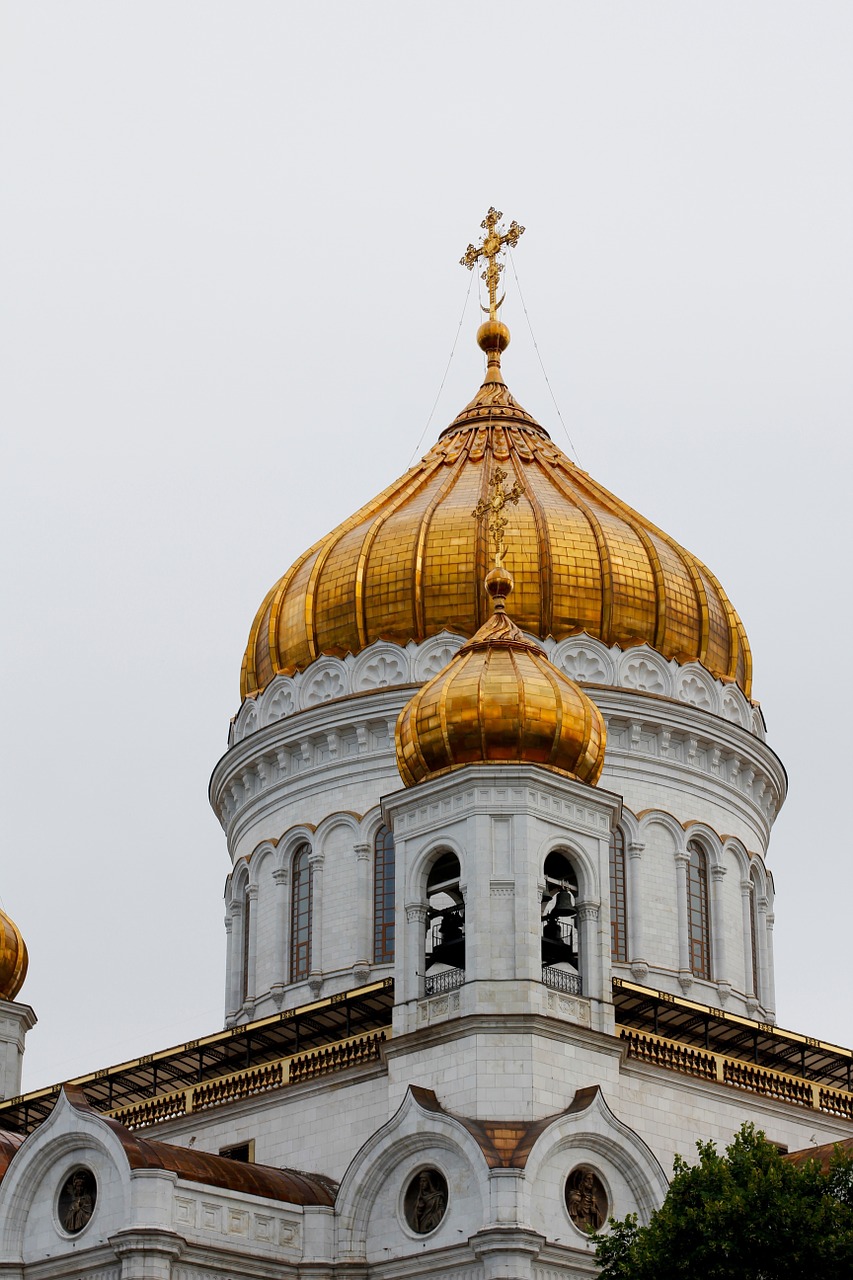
[(494, 242), (493, 507)]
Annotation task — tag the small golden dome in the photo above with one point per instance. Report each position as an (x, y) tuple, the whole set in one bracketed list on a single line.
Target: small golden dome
[(500, 701), (13, 958)]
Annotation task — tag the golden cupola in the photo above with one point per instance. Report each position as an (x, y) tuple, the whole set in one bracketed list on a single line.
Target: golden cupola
[(500, 701), (13, 958), (411, 563)]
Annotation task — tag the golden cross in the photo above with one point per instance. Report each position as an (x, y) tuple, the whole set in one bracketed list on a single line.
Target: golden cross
[(494, 507), (493, 242)]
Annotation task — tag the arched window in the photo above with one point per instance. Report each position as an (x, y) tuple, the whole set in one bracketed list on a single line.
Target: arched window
[(383, 897), (753, 932), (698, 913), (560, 951), (445, 936), (300, 915), (618, 912)]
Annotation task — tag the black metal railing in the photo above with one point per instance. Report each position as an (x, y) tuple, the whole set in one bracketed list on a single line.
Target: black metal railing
[(437, 983), (561, 980)]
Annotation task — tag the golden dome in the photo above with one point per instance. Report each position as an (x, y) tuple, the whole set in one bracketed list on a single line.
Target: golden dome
[(411, 563), (13, 958), (500, 701)]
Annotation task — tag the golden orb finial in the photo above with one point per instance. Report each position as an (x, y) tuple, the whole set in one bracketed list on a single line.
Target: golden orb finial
[(493, 336), (13, 958)]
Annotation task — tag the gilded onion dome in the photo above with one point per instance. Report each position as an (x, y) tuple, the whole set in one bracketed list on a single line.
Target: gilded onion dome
[(410, 563), (13, 958), (500, 701)]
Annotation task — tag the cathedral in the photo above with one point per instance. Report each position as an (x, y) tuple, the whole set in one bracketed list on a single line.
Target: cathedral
[(499, 922)]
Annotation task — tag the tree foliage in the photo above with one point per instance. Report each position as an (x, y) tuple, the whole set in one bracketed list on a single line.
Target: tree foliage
[(745, 1215)]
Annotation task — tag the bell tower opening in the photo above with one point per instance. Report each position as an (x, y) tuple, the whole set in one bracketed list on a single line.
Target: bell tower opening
[(445, 926), (561, 961)]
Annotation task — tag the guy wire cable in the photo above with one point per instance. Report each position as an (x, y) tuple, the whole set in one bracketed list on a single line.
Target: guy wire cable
[(446, 371), (541, 364)]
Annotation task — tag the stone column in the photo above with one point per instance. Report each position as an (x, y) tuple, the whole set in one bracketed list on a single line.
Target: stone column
[(229, 969), (719, 961), (237, 922), (762, 938), (770, 997), (281, 879), (251, 959), (634, 911), (685, 971), (590, 957), (412, 954), (363, 907), (750, 963), (315, 976), (15, 1021)]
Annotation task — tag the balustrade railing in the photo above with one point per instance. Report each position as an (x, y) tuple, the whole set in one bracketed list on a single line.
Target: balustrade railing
[(561, 979), (353, 1052), (737, 1074), (437, 983)]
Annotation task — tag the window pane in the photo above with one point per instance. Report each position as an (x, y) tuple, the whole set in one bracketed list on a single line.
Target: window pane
[(383, 897)]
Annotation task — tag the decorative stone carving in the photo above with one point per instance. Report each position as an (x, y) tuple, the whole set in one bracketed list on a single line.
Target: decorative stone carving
[(77, 1200), (586, 1199), (380, 667), (425, 1201), (644, 674), (585, 662), (694, 691), (325, 680)]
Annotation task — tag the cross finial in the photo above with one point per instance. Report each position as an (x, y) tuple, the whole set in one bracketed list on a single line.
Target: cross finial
[(493, 506), (494, 241)]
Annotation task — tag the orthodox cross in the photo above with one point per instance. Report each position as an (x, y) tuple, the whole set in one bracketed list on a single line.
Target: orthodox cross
[(493, 243), (493, 507)]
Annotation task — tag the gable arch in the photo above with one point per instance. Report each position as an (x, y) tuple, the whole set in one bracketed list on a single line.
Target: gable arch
[(419, 1133), (589, 1131)]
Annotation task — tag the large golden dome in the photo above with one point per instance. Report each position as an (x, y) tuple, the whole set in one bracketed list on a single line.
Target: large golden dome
[(13, 958), (412, 562), (500, 701)]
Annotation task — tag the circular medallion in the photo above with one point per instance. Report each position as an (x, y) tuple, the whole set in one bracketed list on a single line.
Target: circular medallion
[(77, 1200), (425, 1201), (586, 1199)]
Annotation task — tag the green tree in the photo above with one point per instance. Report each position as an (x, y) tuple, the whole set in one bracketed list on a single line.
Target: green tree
[(747, 1215)]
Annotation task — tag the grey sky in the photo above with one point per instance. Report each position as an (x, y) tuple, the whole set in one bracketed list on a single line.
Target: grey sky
[(230, 237)]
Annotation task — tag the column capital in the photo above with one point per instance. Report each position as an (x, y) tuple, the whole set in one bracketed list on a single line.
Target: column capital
[(416, 911), (635, 848), (251, 893), (281, 875), (362, 850), (717, 871)]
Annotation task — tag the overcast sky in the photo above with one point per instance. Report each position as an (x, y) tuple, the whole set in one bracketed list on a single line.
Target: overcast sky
[(230, 282)]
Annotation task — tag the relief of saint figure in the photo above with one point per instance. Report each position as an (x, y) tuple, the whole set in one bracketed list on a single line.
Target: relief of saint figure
[(77, 1200), (426, 1201), (586, 1199)]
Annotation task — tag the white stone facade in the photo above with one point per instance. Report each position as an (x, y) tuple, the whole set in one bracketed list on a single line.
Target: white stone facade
[(500, 1076)]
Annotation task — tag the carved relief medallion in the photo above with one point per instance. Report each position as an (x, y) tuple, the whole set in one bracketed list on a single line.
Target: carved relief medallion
[(77, 1200), (425, 1201), (586, 1199)]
